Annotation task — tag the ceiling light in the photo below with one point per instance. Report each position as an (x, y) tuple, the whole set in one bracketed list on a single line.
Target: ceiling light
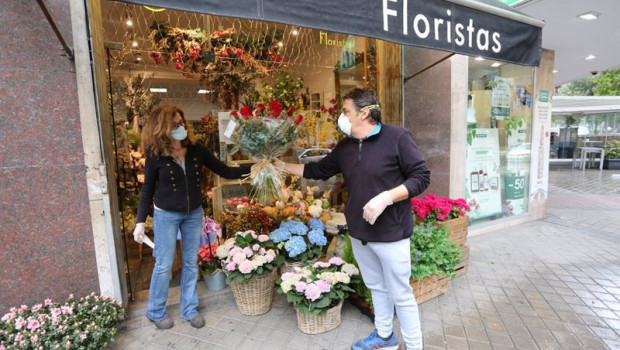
[(280, 44), (158, 90), (138, 59), (295, 31), (134, 44), (129, 22), (203, 91), (479, 58), (555, 71), (590, 15), (590, 57), (496, 64)]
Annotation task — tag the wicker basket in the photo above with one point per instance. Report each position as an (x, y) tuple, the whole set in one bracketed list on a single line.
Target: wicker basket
[(254, 296), (315, 324), (290, 266)]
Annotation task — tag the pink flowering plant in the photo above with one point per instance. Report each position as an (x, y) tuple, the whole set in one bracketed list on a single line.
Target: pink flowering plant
[(432, 208), (319, 287), (87, 323), (248, 255)]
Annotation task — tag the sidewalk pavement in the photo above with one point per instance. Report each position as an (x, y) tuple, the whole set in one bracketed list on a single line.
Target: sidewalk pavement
[(549, 284)]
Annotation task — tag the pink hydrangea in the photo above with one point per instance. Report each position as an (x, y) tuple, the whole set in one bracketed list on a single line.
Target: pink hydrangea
[(239, 257), (262, 251), (245, 267), (234, 251), (336, 261), (248, 251), (287, 275), (269, 258), (255, 247), (300, 286), (231, 266), (312, 292), (323, 287), (263, 238), (320, 264)]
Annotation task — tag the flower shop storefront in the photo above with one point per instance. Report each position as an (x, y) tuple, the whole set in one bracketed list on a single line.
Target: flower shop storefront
[(223, 66)]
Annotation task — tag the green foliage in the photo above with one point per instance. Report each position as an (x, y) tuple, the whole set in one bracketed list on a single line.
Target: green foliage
[(87, 323), (513, 124), (607, 83), (286, 91), (432, 252), (582, 87), (612, 149)]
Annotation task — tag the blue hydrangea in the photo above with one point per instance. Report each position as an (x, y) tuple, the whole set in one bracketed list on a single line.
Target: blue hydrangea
[(280, 235), (295, 227), (317, 237), (316, 225), (295, 246)]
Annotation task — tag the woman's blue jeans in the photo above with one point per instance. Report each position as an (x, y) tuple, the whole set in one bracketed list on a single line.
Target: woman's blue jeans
[(166, 224)]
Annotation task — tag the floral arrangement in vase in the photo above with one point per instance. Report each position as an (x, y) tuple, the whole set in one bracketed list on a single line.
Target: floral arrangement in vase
[(208, 261), (432, 208), (265, 132), (319, 287), (86, 323), (300, 242), (248, 255)]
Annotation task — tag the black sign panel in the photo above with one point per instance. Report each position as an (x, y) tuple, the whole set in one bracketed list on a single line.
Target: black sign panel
[(435, 24)]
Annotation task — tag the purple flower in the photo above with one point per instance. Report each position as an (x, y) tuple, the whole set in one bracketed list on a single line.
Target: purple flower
[(300, 286), (231, 266), (336, 261), (312, 292), (323, 287)]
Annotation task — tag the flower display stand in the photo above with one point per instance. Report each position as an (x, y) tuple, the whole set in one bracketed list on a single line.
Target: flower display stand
[(254, 296), (458, 233), (316, 324), (429, 287)]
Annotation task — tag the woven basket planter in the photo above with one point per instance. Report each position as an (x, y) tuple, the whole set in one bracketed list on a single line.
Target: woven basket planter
[(254, 296), (290, 266), (457, 228), (315, 324), (429, 287)]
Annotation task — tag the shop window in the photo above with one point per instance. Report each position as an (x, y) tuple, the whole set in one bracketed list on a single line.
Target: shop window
[(499, 119)]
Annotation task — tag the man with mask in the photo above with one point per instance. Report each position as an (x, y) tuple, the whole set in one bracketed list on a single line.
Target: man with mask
[(382, 169)]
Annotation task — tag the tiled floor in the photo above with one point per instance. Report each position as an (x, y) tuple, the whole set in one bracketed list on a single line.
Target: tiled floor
[(550, 284)]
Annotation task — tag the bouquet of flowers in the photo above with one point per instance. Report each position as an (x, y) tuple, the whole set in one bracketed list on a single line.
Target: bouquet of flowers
[(317, 288), (247, 256), (432, 208), (265, 133), (300, 243), (208, 261), (88, 323)]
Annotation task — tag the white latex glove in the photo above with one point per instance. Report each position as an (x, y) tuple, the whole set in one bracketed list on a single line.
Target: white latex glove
[(138, 233), (376, 206), (278, 163)]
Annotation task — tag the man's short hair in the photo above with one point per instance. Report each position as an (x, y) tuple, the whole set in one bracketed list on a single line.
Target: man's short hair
[(365, 97)]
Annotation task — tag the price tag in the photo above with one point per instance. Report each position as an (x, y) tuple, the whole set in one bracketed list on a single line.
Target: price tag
[(230, 128)]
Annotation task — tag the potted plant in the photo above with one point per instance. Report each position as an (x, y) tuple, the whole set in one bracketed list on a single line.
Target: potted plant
[(612, 155), (299, 243), (251, 262), (433, 260), (210, 265), (442, 210), (86, 323), (317, 292)]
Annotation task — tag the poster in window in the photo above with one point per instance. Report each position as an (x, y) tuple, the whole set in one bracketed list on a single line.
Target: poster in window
[(483, 185)]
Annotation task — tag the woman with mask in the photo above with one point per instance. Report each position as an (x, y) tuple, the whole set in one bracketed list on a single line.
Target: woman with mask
[(172, 183)]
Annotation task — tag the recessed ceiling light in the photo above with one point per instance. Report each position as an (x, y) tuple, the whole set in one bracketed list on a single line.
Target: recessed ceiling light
[(555, 71), (496, 64), (295, 31), (479, 58), (129, 22), (280, 44), (134, 44), (203, 91), (158, 90), (590, 15), (590, 57)]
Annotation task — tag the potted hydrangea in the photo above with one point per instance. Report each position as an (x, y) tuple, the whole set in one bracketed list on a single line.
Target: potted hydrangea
[(317, 292), (302, 244), (250, 262)]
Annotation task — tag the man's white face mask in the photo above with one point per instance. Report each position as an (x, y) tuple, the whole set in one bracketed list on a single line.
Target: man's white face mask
[(344, 122)]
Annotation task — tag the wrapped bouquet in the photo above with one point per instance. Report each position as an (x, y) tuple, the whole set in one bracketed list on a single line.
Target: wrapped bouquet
[(264, 133)]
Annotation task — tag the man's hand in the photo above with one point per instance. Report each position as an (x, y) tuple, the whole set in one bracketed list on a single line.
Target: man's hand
[(376, 206), (138, 233)]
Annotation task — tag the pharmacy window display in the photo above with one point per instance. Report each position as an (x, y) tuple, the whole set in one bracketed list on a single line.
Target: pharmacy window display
[(499, 120)]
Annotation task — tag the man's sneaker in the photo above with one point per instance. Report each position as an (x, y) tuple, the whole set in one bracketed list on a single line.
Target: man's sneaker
[(197, 322), (166, 323), (373, 341)]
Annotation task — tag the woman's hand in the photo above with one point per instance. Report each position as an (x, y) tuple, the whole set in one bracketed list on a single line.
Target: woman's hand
[(138, 233)]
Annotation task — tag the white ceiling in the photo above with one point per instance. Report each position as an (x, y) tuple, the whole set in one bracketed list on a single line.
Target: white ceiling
[(573, 38)]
